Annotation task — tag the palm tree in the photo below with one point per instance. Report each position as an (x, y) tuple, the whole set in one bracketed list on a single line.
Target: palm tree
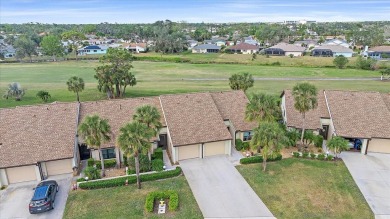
[(14, 90), (150, 116), (305, 98), (269, 136), (134, 140), (337, 144), (76, 85), (95, 131), (262, 107)]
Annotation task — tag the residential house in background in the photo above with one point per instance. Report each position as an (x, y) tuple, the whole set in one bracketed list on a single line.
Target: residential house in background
[(244, 48), (92, 50), (306, 43), (336, 42), (206, 48), (379, 52), (284, 49), (135, 47), (192, 44), (367, 128), (250, 40), (332, 51)]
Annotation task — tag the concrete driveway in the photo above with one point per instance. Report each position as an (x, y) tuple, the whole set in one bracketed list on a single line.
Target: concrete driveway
[(15, 199), (372, 175), (221, 191)]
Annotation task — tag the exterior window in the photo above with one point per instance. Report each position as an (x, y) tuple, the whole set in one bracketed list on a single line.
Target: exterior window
[(247, 136), (95, 50), (108, 153)]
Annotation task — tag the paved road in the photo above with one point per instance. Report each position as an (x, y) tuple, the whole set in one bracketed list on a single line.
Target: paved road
[(221, 191), (372, 175), (15, 199), (287, 79)]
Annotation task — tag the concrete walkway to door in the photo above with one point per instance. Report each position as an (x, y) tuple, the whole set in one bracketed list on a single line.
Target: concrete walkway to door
[(372, 175), (221, 191)]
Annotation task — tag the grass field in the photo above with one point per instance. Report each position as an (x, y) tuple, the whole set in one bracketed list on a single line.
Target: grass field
[(128, 202), (156, 78), (297, 188)]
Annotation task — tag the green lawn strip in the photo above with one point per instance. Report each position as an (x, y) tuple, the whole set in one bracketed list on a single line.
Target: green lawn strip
[(129, 202), (299, 188)]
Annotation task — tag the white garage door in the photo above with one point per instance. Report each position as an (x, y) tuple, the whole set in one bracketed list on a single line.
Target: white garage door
[(21, 174), (59, 167), (379, 145), (214, 148), (188, 152)]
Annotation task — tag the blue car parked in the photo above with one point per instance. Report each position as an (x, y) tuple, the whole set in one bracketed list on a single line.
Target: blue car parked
[(44, 197)]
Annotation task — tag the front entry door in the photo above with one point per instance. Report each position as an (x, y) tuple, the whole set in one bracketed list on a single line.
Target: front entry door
[(163, 141), (85, 152)]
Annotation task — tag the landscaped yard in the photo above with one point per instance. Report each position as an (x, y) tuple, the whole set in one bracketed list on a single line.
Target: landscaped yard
[(155, 78), (128, 201), (298, 188)]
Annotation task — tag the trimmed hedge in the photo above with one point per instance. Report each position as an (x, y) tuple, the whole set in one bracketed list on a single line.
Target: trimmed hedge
[(158, 154), (238, 144), (107, 163), (258, 159), (173, 197), (131, 179), (157, 165)]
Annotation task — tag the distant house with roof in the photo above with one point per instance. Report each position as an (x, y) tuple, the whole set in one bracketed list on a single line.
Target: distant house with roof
[(206, 48), (284, 49), (379, 52), (244, 48), (336, 42), (306, 43), (250, 40), (332, 51), (8, 51), (135, 47), (92, 50), (192, 43)]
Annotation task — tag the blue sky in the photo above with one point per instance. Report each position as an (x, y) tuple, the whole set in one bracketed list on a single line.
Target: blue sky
[(148, 11)]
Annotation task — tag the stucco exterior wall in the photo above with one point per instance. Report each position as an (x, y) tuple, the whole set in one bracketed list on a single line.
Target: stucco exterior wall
[(294, 53), (3, 178), (345, 54)]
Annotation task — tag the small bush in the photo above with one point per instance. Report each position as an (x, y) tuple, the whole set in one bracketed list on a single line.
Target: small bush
[(144, 163), (312, 155), (259, 159), (245, 145), (296, 154), (276, 63), (131, 179), (157, 165), (321, 157), (173, 197), (291, 56), (318, 140), (90, 162), (158, 154), (238, 144), (107, 163), (329, 157), (82, 179), (44, 95), (340, 61), (305, 154), (92, 173)]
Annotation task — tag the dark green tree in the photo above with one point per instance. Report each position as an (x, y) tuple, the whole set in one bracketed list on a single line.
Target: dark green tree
[(242, 81), (52, 46), (340, 61)]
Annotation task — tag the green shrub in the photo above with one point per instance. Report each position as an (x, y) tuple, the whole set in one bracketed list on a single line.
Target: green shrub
[(296, 154), (259, 159), (92, 173), (158, 154), (144, 163), (305, 154), (90, 162), (312, 155), (276, 63), (318, 140), (238, 144), (131, 179), (329, 157), (321, 157), (82, 179), (340, 61), (367, 64), (157, 165), (107, 163), (173, 197), (291, 56), (245, 145)]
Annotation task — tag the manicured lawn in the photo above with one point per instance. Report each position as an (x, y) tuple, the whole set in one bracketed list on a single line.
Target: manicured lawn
[(155, 78), (128, 202), (297, 188)]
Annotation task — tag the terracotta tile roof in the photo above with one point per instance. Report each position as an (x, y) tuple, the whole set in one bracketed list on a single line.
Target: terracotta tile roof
[(380, 49), (118, 112), (37, 133), (231, 105), (359, 114), (294, 118), (244, 46), (193, 118)]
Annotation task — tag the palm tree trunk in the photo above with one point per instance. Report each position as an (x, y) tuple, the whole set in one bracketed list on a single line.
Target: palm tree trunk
[(264, 164), (102, 162), (137, 171), (78, 98), (303, 129)]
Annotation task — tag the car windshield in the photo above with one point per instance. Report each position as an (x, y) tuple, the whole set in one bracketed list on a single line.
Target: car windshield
[(40, 193)]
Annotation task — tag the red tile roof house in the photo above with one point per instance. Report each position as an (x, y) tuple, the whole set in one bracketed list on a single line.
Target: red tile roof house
[(244, 48), (349, 114), (40, 141)]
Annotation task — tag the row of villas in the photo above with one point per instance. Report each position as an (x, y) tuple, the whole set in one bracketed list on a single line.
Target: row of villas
[(195, 125)]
